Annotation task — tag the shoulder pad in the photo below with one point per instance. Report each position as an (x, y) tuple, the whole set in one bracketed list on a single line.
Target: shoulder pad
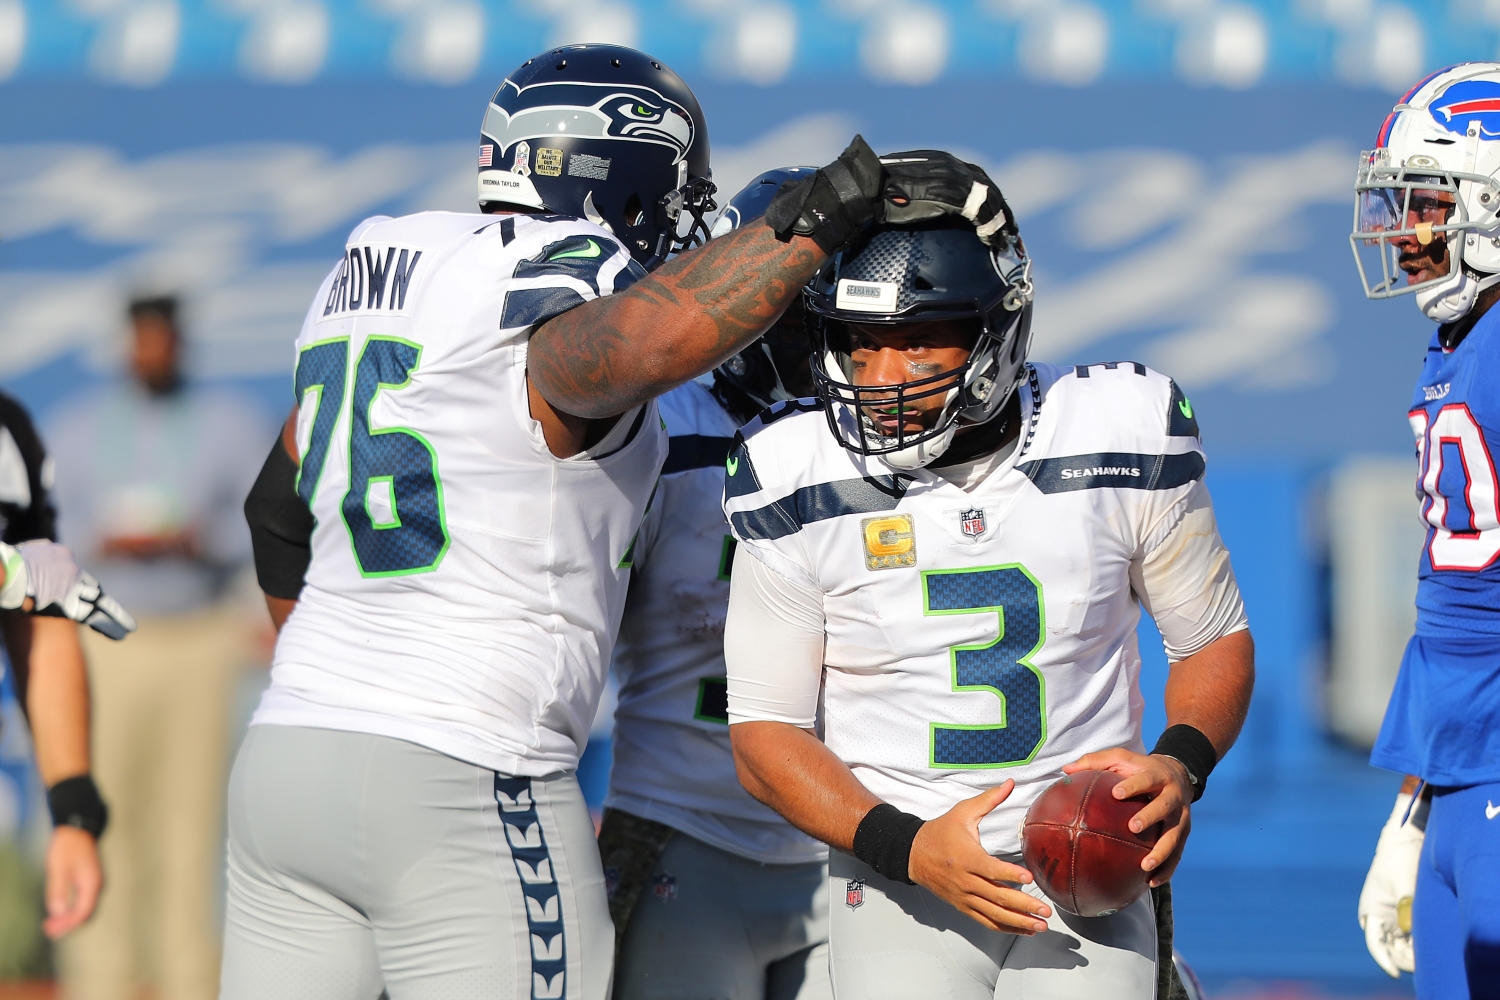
[(365, 225), (1115, 425), (1181, 421), (786, 471)]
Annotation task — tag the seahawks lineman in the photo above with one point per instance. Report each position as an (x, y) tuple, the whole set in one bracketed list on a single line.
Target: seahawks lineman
[(712, 893), (950, 548), (443, 528), (1426, 224)]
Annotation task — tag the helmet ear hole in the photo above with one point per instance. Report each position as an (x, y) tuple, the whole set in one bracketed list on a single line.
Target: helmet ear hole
[(634, 214)]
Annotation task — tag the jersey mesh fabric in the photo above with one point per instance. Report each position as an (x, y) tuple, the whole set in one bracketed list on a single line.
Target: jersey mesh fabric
[(1455, 417), (975, 636), (672, 761), (465, 584), (1444, 714)]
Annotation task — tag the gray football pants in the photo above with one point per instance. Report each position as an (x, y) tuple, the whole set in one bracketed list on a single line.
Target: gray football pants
[(715, 926), (359, 863), (900, 942)]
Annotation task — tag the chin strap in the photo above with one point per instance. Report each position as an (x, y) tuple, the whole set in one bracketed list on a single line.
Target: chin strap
[(1449, 301)]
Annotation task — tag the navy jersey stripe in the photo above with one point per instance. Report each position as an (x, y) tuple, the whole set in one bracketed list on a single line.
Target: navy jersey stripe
[(696, 451), (530, 306), (739, 472), (819, 503), (539, 888), (1114, 470), (1181, 420)]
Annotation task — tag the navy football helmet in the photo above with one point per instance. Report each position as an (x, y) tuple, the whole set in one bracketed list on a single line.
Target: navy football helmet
[(901, 274), (753, 198), (604, 133), (773, 368)]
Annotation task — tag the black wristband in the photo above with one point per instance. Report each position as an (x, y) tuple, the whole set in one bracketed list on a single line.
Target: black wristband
[(1194, 751), (76, 802), (883, 840)]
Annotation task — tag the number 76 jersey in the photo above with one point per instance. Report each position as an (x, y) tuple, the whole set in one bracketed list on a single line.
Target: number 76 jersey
[(976, 636), (465, 585), (1455, 418)]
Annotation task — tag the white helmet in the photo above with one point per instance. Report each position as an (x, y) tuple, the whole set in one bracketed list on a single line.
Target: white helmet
[(1434, 175)]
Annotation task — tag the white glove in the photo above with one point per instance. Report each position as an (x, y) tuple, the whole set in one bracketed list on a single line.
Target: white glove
[(45, 572), (1385, 900)]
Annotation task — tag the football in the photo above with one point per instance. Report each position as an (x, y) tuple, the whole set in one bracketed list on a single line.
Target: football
[(1077, 843)]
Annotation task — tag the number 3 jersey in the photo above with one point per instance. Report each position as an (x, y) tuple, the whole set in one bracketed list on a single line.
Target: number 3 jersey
[(974, 636), (465, 584)]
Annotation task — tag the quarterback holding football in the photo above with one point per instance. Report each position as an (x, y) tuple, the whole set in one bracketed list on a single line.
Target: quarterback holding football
[(943, 559)]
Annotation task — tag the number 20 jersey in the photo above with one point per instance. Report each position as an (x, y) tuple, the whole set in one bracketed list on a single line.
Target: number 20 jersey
[(1455, 418), (976, 636), (465, 584), (1442, 722)]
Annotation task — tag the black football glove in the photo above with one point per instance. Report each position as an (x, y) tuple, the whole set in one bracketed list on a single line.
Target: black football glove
[(835, 204), (928, 184), (859, 190)]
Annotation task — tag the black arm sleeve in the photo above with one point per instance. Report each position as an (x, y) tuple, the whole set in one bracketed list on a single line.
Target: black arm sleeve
[(37, 518), (281, 526)]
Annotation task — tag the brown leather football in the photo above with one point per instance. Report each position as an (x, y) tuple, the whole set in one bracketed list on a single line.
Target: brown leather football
[(1077, 843)]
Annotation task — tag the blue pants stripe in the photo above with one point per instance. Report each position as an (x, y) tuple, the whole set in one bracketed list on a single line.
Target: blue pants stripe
[(544, 916)]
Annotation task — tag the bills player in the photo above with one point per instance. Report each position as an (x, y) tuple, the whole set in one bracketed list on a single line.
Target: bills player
[(1426, 224), (950, 548), (712, 894), (442, 531)]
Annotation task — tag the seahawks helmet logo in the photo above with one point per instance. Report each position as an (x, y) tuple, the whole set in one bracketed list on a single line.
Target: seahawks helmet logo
[(587, 111)]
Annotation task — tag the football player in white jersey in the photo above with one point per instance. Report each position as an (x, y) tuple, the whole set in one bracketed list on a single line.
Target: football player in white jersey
[(442, 528), (950, 550), (712, 894)]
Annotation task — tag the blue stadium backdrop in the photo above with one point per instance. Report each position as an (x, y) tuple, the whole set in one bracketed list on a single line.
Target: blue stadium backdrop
[(1181, 170)]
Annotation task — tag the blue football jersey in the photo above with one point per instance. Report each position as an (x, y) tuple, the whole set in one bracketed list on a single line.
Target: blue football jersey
[(1455, 417), (1443, 720)]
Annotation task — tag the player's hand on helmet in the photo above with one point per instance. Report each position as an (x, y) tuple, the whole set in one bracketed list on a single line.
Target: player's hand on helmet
[(1167, 782), (948, 859), (42, 577), (923, 185), (860, 189), (1385, 900), (835, 204)]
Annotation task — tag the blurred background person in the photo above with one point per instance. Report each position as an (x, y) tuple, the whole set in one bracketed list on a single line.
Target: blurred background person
[(151, 473)]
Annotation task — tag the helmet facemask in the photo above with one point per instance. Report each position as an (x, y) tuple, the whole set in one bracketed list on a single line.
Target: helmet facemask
[(1408, 205), (973, 393)]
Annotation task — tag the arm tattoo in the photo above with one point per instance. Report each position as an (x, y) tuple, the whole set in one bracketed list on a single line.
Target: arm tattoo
[(607, 355)]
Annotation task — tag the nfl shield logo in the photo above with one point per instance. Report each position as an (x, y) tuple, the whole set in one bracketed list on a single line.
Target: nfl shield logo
[(664, 886), (972, 521), (854, 893)]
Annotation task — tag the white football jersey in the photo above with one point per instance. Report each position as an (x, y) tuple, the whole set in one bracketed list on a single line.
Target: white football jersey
[(672, 761), (976, 636), (465, 584)]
